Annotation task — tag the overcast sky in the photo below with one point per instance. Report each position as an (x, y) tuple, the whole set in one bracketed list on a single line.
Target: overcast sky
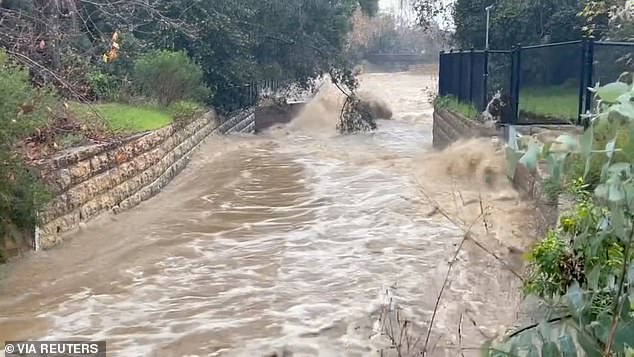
[(404, 9), (398, 7)]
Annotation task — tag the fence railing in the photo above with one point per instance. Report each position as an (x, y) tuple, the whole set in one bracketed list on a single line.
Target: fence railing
[(542, 84), (231, 99)]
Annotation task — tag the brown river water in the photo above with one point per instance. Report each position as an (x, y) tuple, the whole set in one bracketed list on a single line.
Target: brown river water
[(295, 242)]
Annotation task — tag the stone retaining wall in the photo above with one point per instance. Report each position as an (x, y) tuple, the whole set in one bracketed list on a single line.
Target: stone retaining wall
[(91, 180), (449, 127)]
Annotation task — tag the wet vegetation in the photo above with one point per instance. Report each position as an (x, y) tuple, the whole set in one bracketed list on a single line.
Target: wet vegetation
[(584, 268), (356, 116), (23, 108)]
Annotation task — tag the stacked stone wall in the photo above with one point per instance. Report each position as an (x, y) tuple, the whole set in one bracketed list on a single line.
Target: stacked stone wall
[(116, 176)]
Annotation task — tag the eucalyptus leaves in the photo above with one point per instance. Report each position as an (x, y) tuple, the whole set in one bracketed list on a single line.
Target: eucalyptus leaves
[(583, 270), (614, 112)]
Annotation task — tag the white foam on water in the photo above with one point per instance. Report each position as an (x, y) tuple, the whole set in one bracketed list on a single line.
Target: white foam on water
[(300, 240)]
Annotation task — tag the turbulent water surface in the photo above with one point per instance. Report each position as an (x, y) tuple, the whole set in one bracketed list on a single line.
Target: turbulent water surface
[(297, 241)]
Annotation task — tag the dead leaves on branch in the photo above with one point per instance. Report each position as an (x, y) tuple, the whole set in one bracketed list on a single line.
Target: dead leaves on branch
[(113, 53)]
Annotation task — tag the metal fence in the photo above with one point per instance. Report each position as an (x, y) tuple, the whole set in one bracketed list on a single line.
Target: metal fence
[(231, 99), (543, 84)]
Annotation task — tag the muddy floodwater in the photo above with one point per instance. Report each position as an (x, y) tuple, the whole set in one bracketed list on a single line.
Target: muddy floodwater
[(297, 241)]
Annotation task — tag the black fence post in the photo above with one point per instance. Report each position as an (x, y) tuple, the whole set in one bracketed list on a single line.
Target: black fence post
[(515, 81), (589, 67), (253, 97), (450, 74), (486, 79), (256, 87), (256, 92), (440, 73), (460, 75), (582, 78), (471, 60), (240, 96)]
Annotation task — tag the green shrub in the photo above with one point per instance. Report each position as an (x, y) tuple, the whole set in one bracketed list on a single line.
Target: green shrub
[(356, 116), (104, 86), (169, 77), (547, 266), (22, 109), (72, 140), (184, 109), (603, 133)]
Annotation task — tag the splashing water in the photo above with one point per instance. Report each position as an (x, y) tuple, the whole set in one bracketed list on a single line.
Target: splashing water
[(297, 242)]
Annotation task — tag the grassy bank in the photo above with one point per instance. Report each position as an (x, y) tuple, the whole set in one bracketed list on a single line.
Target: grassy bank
[(558, 102), (123, 118), (541, 103), (453, 104)]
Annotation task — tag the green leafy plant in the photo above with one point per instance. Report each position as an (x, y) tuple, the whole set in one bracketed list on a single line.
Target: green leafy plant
[(584, 268), (603, 133), (169, 77), (550, 261), (22, 109), (184, 110), (356, 114), (105, 86)]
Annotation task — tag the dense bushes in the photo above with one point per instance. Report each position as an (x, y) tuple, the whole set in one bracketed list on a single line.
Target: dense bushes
[(169, 77), (105, 86), (22, 109), (234, 43), (184, 109), (554, 264)]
